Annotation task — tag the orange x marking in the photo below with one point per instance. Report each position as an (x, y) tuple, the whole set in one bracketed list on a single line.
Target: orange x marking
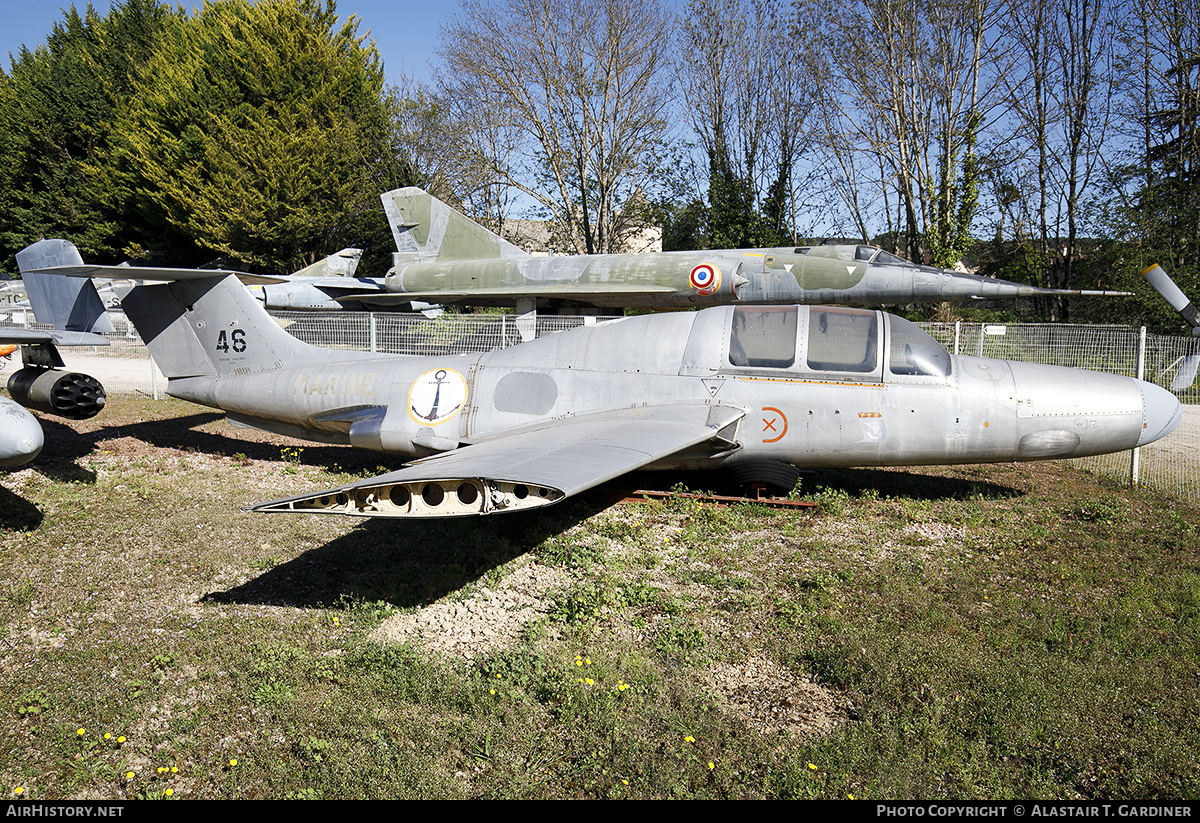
[(769, 425)]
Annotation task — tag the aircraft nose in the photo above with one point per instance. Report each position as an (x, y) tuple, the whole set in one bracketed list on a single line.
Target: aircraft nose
[(22, 440), (1161, 413)]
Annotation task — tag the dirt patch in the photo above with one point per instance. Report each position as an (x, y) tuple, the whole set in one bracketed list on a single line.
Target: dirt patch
[(774, 700), (490, 619)]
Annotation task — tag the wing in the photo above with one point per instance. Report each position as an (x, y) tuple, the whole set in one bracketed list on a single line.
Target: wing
[(155, 273), (31, 337), (528, 468), (562, 291)]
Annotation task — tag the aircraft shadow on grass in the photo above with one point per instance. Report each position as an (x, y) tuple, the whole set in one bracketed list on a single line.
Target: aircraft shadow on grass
[(412, 563), (407, 564)]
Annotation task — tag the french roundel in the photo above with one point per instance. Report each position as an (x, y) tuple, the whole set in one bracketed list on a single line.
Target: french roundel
[(705, 278)]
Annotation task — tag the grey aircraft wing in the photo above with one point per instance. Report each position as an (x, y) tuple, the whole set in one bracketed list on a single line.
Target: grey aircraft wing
[(156, 273), (584, 292), (30, 337), (528, 468)]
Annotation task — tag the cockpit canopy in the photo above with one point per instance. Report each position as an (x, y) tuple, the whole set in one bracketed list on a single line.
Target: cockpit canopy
[(861, 254), (833, 343)]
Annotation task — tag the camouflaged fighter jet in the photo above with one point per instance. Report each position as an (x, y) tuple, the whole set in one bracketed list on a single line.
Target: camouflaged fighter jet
[(760, 390), (445, 257)]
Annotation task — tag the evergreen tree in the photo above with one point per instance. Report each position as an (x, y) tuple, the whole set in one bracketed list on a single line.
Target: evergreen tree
[(258, 131), (56, 111)]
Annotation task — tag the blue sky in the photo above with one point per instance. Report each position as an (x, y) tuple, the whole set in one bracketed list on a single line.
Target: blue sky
[(406, 32)]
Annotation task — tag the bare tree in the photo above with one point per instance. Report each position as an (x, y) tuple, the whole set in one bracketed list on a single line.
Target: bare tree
[(569, 98), (911, 83), (743, 75), (1062, 106)]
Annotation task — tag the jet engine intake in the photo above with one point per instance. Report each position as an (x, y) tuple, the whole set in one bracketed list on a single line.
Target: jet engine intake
[(65, 394)]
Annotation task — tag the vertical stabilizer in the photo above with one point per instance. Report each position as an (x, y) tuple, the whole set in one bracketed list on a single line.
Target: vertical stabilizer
[(212, 326), (69, 303), (340, 264), (426, 229)]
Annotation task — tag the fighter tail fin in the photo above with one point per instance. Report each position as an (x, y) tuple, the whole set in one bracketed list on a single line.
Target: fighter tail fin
[(69, 303), (426, 229), (195, 323), (212, 326), (340, 264)]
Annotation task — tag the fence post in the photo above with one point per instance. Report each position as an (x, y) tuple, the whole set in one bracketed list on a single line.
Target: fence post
[(371, 321), (1141, 371), (957, 334)]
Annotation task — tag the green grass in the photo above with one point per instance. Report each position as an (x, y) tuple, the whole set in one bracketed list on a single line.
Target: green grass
[(1010, 631)]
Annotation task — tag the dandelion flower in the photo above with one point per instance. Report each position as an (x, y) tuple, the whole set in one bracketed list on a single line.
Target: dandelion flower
[(626, 782), (174, 769), (129, 775), (232, 762), (689, 739), (107, 736), (491, 691), (121, 739), (19, 790), (168, 792), (79, 732), (850, 796), (811, 766), (710, 765)]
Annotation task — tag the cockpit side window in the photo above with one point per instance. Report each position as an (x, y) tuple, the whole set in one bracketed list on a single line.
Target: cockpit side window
[(913, 352), (887, 257), (763, 337), (864, 253), (843, 340)]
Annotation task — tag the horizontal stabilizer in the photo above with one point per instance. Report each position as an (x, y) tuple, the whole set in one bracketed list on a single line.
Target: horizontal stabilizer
[(526, 469)]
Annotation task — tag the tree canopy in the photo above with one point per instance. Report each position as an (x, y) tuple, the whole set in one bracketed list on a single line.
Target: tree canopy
[(257, 131)]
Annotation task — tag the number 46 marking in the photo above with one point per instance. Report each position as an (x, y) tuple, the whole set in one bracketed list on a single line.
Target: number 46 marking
[(236, 339)]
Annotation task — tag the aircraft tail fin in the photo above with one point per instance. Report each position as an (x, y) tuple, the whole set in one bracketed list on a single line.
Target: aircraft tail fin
[(340, 264), (194, 323), (426, 229), (69, 303), (212, 327)]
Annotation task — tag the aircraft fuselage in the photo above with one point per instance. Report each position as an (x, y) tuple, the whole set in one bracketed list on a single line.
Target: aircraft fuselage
[(888, 396)]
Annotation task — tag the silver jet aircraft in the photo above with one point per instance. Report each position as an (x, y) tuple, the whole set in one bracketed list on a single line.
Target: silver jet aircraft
[(446, 257), (761, 390)]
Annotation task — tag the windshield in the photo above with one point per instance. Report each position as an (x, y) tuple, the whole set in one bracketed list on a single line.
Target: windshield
[(913, 352)]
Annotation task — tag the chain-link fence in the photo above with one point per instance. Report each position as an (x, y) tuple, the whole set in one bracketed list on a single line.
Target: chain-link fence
[(1171, 465)]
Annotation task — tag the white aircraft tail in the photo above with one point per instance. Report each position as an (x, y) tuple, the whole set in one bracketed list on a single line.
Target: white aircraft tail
[(339, 264)]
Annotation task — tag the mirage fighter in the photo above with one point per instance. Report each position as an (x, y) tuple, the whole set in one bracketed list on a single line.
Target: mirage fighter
[(445, 257)]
